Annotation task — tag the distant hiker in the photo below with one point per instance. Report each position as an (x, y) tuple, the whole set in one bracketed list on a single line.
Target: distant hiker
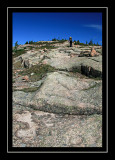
[(70, 39)]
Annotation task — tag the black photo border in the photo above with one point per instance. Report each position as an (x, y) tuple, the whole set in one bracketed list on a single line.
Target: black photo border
[(104, 148)]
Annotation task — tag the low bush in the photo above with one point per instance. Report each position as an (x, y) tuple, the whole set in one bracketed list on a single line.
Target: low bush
[(18, 52)]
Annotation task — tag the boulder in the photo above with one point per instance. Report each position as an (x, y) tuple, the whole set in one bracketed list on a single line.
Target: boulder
[(78, 64), (84, 54), (45, 50), (93, 52), (76, 50), (92, 67), (26, 78), (87, 53), (63, 94)]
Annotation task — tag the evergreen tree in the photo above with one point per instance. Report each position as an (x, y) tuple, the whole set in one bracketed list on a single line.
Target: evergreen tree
[(54, 39), (97, 44), (16, 45), (78, 42), (91, 43), (26, 42)]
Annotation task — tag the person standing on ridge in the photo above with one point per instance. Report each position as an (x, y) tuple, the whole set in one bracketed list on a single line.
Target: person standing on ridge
[(70, 39)]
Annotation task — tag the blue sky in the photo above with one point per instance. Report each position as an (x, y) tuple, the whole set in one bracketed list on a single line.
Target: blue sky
[(38, 26)]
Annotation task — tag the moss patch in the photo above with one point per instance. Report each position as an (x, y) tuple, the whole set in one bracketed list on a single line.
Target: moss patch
[(39, 71), (17, 65), (30, 89), (18, 52)]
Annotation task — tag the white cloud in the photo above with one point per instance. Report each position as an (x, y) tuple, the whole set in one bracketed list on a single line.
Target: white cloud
[(96, 26)]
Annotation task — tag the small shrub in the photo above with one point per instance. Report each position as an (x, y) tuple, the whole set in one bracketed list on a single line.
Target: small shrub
[(54, 39), (18, 52), (16, 45), (26, 42)]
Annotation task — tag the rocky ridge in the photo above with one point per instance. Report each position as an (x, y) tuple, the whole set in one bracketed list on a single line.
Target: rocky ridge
[(57, 97)]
